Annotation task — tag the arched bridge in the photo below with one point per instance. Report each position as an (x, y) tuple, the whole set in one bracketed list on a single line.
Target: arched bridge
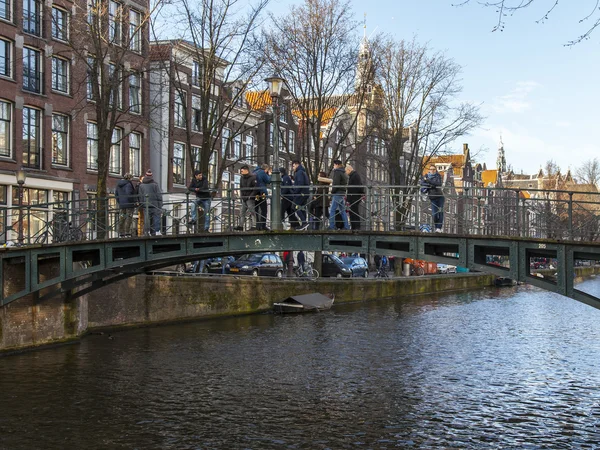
[(77, 268)]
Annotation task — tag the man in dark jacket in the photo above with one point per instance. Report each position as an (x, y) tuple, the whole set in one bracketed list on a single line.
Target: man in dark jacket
[(263, 178), (287, 199), (338, 191), (248, 191), (150, 197), (356, 191), (126, 199), (432, 183), (199, 187), (301, 193)]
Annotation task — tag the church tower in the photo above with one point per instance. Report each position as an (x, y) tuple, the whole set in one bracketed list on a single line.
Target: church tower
[(501, 161), (364, 72)]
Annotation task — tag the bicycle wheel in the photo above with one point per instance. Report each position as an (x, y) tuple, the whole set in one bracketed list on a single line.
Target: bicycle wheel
[(313, 274), (420, 271)]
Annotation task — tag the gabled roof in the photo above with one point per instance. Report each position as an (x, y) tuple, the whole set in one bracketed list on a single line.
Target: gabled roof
[(489, 177)]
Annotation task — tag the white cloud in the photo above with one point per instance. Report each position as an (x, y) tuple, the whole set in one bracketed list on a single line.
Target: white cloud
[(516, 101)]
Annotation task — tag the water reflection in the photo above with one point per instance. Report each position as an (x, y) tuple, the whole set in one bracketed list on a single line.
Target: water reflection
[(496, 368)]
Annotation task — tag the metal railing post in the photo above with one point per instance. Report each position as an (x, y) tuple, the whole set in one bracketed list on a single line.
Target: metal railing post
[(571, 215), (368, 206), (187, 212), (518, 224)]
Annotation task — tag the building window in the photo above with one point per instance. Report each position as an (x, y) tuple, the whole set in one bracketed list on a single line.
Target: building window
[(60, 75), (249, 150), (291, 141), (135, 154), (196, 71), (281, 135), (115, 12), (92, 146), (225, 142), (114, 164), (60, 139), (135, 34), (5, 129), (237, 147), (32, 138), (6, 58), (178, 163), (60, 24), (282, 113), (92, 10), (114, 78), (32, 70), (196, 151), (135, 93), (5, 10), (196, 113), (179, 111), (32, 17)]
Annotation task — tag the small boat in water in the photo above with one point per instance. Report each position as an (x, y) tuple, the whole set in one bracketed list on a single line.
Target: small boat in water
[(304, 303), (504, 281)]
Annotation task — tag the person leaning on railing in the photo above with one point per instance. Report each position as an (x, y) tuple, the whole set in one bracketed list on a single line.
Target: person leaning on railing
[(199, 187), (151, 200), (338, 191), (431, 183)]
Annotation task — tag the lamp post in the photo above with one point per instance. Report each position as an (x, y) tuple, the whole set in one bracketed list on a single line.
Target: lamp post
[(275, 84), (21, 177)]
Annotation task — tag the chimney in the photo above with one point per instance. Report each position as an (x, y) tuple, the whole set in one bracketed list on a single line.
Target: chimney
[(465, 148)]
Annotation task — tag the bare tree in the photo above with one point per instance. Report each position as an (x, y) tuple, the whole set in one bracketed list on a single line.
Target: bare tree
[(315, 49), (505, 8), (589, 172), (418, 91), (106, 43), (219, 35)]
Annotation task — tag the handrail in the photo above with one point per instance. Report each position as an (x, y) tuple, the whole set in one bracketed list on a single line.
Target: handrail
[(471, 210)]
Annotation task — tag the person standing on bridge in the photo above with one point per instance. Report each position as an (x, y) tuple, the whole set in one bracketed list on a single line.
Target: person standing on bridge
[(301, 194), (199, 187), (356, 192), (151, 201), (263, 178), (248, 197), (125, 194), (338, 191), (432, 184)]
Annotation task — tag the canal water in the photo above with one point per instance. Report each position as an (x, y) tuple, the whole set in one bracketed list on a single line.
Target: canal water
[(494, 368)]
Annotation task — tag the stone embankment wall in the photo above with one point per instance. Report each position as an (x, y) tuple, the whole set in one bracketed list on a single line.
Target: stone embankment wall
[(148, 300)]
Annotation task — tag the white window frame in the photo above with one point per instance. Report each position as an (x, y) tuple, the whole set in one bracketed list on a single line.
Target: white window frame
[(66, 76), (135, 31), (115, 165), (135, 154), (92, 146), (115, 18), (249, 148), (181, 164), (179, 112), (64, 133), (9, 48), (135, 108), (6, 124), (59, 24)]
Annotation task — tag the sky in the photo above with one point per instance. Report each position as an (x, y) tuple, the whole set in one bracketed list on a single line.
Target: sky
[(540, 96)]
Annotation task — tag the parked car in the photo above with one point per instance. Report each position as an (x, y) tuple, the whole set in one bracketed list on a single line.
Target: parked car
[(211, 265), (332, 266), (358, 266), (257, 264), (446, 268)]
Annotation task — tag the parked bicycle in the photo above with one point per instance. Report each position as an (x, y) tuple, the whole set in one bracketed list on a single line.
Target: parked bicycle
[(381, 272), (60, 232), (306, 272)]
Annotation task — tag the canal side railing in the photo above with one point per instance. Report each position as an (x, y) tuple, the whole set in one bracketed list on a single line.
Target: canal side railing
[(545, 214)]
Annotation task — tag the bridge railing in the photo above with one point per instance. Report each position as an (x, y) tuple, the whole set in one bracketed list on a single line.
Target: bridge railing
[(555, 214)]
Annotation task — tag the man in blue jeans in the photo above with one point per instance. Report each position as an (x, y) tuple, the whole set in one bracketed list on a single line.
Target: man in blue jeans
[(338, 191), (199, 186)]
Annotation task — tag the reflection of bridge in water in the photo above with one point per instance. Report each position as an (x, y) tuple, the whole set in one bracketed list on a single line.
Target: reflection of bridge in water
[(501, 231)]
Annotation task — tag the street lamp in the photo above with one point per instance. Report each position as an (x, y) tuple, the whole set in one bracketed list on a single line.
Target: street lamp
[(275, 84), (21, 177)]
